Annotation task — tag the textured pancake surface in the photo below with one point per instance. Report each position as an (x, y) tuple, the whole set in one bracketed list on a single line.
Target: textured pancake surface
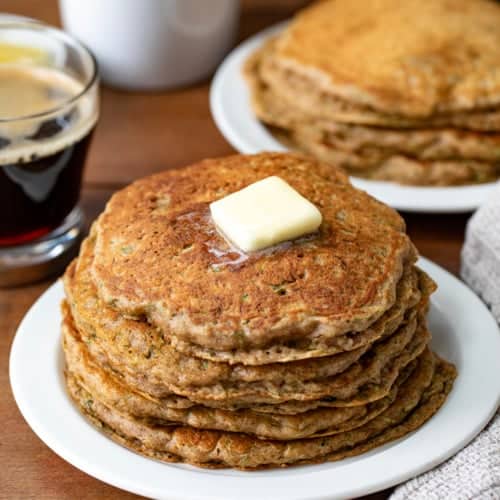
[(420, 396), (440, 155), (184, 349), (126, 338), (383, 164), (440, 149), (408, 293), (377, 143), (363, 381), (297, 98), (384, 61), (109, 389), (158, 255)]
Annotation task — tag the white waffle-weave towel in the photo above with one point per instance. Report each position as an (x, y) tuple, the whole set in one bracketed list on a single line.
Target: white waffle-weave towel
[(474, 472)]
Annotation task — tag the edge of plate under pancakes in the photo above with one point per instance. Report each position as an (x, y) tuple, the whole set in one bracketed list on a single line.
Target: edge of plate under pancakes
[(174, 403), (298, 96)]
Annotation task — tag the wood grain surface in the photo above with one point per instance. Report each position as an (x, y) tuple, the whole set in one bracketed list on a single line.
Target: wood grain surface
[(139, 134)]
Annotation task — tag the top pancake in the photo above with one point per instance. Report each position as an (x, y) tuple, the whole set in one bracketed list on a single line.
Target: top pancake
[(277, 103), (413, 58), (158, 255)]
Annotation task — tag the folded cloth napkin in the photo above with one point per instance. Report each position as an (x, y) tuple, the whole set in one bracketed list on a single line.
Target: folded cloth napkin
[(481, 253), (474, 472)]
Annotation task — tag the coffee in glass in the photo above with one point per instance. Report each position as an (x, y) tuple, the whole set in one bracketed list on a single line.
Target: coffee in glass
[(48, 110)]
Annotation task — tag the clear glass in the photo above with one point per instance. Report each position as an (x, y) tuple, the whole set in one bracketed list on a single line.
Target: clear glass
[(49, 107)]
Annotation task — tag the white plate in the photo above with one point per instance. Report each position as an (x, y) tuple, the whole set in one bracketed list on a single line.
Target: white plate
[(464, 332), (231, 110)]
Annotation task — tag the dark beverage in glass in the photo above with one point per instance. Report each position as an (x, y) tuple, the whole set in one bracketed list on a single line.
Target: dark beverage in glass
[(48, 111)]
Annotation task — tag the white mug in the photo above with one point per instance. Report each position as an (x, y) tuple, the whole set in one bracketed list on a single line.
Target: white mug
[(153, 44)]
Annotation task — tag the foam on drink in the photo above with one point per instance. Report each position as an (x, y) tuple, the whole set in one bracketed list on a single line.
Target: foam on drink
[(27, 90)]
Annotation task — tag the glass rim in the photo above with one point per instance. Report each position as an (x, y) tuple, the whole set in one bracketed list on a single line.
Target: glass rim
[(39, 26)]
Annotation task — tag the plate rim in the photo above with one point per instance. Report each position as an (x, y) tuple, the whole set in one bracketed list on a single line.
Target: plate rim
[(444, 199), (272, 481)]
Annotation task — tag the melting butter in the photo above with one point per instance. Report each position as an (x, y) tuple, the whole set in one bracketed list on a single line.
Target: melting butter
[(263, 214)]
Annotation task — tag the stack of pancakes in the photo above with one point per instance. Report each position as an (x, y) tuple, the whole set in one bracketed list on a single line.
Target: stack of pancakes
[(183, 348), (405, 91)]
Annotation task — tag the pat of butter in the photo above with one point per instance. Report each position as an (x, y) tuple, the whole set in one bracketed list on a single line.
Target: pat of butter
[(263, 214)]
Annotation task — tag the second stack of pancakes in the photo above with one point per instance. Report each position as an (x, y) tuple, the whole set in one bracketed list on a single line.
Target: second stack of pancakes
[(182, 348), (405, 91)]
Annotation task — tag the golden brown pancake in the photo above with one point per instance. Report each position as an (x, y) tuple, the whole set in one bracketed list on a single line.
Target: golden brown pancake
[(365, 380), (184, 349), (384, 165), (428, 155), (420, 396), (290, 97), (444, 60), (110, 390), (159, 256), (122, 336), (431, 143), (385, 325)]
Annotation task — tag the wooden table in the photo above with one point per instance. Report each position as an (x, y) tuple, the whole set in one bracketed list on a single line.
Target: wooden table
[(139, 134)]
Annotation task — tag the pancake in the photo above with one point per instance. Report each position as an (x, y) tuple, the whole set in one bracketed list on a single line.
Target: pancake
[(365, 381), (366, 393), (263, 74), (158, 256), (427, 144), (283, 98), (436, 143), (406, 297), (114, 393), (127, 340), (420, 396), (366, 52), (428, 156), (382, 165), (183, 348)]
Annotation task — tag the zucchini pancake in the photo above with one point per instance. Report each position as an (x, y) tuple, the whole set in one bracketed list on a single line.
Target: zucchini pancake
[(183, 348), (354, 83)]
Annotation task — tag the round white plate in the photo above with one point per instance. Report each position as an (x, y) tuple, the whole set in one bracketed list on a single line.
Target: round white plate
[(231, 110), (464, 332)]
